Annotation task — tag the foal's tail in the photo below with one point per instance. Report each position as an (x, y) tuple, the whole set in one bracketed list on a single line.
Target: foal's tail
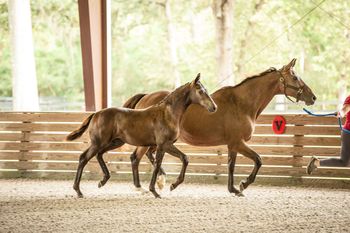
[(131, 103), (78, 132)]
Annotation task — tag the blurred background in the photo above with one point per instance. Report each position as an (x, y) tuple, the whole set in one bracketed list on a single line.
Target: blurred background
[(158, 44)]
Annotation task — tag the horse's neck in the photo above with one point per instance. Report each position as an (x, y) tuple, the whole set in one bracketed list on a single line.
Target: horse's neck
[(178, 101), (258, 93)]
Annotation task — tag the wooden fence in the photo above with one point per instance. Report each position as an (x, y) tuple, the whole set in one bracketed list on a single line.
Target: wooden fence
[(32, 145)]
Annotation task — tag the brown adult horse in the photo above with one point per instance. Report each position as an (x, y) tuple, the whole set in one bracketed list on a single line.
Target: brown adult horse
[(157, 126), (234, 122)]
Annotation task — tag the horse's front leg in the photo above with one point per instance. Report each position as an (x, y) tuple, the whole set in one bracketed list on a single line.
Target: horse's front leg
[(245, 150), (159, 158), (135, 158), (171, 149), (232, 155)]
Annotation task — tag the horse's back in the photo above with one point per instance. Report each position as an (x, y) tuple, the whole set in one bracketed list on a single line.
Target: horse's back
[(151, 99)]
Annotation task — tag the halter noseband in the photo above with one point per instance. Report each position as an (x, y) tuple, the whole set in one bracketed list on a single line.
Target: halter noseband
[(299, 89)]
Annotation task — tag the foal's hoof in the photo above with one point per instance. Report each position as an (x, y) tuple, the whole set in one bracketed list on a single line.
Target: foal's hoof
[(172, 187), (80, 195), (141, 190), (240, 194), (241, 186), (156, 195)]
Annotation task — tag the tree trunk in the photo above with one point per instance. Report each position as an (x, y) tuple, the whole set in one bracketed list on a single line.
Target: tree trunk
[(247, 35), (172, 44), (223, 14), (24, 84)]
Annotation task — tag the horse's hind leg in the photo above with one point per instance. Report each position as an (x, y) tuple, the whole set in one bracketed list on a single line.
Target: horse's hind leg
[(83, 160), (135, 158), (171, 149), (161, 175), (248, 152), (113, 145), (232, 155)]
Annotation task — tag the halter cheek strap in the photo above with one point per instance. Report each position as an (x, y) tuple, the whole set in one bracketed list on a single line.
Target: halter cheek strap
[(299, 90)]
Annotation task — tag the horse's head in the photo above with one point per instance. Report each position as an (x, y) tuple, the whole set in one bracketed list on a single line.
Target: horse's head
[(199, 95), (293, 85)]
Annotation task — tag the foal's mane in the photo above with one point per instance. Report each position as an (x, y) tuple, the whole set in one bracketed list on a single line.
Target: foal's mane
[(174, 93)]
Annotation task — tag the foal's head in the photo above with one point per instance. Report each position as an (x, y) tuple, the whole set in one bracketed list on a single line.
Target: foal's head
[(293, 85), (199, 95)]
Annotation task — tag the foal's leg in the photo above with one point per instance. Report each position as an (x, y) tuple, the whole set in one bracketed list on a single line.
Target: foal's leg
[(245, 150), (113, 145), (158, 163), (161, 175), (171, 149), (135, 158), (83, 160), (232, 155)]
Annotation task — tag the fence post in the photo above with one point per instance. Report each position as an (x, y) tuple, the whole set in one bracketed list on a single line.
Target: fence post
[(297, 157), (23, 153)]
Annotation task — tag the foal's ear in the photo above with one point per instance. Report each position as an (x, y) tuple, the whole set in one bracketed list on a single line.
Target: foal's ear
[(196, 80), (291, 63)]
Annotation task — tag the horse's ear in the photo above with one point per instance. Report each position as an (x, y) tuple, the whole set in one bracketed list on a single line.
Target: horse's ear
[(291, 63), (197, 78), (195, 81)]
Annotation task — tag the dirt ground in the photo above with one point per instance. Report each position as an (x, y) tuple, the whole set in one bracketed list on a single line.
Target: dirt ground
[(51, 206)]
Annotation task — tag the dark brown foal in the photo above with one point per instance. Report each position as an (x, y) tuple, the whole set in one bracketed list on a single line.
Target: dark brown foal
[(157, 126)]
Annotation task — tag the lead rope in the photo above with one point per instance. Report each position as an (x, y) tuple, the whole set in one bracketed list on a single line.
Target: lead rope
[(329, 114)]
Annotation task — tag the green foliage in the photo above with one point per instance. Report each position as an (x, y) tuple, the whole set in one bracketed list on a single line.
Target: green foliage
[(141, 55), (5, 64)]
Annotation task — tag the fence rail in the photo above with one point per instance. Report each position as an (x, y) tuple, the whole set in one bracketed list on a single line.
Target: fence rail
[(32, 144)]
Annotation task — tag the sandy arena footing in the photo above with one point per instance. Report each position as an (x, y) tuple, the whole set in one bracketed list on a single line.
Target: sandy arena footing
[(51, 206)]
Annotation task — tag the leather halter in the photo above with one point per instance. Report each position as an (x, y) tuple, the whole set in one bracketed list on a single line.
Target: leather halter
[(299, 89)]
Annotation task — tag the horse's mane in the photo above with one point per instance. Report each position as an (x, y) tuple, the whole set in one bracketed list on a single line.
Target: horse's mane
[(269, 70)]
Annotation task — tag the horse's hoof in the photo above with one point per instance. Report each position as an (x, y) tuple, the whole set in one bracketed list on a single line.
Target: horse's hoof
[(240, 194), (80, 195), (156, 195), (100, 184), (161, 181), (241, 186), (141, 190), (172, 187)]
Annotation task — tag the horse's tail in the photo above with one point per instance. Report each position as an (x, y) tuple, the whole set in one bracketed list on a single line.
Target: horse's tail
[(131, 103), (78, 132)]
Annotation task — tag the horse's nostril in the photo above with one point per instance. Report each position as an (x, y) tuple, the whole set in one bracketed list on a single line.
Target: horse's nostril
[(212, 109), (314, 98)]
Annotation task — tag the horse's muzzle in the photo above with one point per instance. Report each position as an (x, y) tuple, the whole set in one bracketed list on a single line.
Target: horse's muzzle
[(311, 101), (212, 108)]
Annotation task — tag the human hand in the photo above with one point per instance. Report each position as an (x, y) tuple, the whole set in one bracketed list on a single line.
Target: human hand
[(339, 114)]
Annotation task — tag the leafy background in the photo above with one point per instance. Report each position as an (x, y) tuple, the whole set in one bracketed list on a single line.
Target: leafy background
[(141, 56)]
